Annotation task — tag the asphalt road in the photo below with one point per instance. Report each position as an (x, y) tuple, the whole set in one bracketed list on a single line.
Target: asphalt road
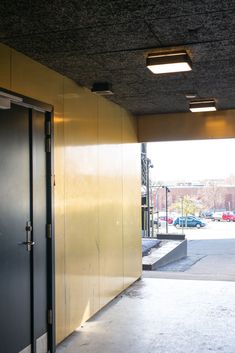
[(211, 252)]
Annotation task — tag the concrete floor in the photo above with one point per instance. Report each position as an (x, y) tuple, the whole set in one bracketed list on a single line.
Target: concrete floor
[(162, 316), (188, 307)]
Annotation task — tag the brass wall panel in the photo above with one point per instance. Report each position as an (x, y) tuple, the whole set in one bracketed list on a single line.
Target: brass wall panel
[(37, 81), (110, 200), (132, 244), (186, 126), (81, 204), (5, 66), (92, 227), (60, 290)]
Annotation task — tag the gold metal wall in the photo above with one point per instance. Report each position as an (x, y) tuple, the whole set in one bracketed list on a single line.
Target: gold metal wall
[(186, 126), (97, 192)]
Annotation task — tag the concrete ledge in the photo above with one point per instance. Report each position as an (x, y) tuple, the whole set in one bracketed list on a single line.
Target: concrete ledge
[(171, 236), (170, 251), (148, 244)]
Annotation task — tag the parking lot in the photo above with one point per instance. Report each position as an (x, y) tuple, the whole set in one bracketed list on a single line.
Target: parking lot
[(212, 230)]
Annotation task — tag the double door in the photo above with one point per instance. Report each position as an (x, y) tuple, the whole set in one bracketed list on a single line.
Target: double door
[(23, 231)]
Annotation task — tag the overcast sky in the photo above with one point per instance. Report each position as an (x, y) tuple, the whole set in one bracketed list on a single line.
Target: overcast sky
[(192, 160)]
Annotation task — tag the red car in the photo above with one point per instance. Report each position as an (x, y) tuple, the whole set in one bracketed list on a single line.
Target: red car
[(228, 216), (169, 219)]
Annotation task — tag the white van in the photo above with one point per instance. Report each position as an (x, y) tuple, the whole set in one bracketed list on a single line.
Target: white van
[(217, 216)]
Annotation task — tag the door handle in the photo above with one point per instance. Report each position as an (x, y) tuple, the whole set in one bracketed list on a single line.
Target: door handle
[(29, 243)]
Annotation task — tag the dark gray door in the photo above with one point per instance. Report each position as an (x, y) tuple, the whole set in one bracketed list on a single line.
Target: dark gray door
[(23, 306)]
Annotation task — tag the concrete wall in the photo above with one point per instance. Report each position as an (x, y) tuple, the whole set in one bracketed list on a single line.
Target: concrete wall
[(97, 192)]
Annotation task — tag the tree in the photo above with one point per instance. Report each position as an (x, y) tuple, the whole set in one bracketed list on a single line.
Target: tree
[(230, 180), (213, 196), (188, 205)]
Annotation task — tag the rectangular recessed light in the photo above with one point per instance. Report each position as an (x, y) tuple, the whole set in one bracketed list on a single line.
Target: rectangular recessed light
[(168, 62), (202, 106), (191, 95)]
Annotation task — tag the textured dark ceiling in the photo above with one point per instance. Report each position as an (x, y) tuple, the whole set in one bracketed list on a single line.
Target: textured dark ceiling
[(91, 41)]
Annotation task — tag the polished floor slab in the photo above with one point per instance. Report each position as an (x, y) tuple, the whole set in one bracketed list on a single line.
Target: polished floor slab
[(162, 316)]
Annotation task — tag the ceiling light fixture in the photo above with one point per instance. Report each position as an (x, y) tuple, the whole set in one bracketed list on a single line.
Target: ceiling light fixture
[(169, 62), (191, 95), (204, 105), (102, 88)]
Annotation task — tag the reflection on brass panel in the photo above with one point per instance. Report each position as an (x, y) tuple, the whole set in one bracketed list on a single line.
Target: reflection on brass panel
[(5, 67), (186, 126)]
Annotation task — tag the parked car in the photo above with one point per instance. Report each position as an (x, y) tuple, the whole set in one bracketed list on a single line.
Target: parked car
[(217, 216), (207, 214), (189, 221), (228, 216), (168, 219)]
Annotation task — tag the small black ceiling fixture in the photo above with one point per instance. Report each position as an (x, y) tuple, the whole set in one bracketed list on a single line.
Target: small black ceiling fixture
[(102, 88)]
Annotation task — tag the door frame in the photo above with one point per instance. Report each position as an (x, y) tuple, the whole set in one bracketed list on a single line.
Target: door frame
[(47, 109)]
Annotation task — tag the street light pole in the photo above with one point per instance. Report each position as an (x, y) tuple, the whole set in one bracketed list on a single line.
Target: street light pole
[(167, 190), (147, 201), (182, 212), (157, 205), (149, 165)]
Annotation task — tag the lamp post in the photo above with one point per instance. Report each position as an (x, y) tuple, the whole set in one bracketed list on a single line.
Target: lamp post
[(149, 165), (182, 212), (167, 190), (157, 205)]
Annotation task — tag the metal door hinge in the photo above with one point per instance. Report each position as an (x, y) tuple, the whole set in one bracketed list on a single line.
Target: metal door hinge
[(53, 179), (48, 231), (48, 128), (50, 317), (48, 144)]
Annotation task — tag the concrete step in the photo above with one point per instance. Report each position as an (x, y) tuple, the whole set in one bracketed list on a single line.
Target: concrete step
[(168, 251)]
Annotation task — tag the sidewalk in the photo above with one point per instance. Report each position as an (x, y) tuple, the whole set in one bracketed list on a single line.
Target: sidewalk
[(207, 259)]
